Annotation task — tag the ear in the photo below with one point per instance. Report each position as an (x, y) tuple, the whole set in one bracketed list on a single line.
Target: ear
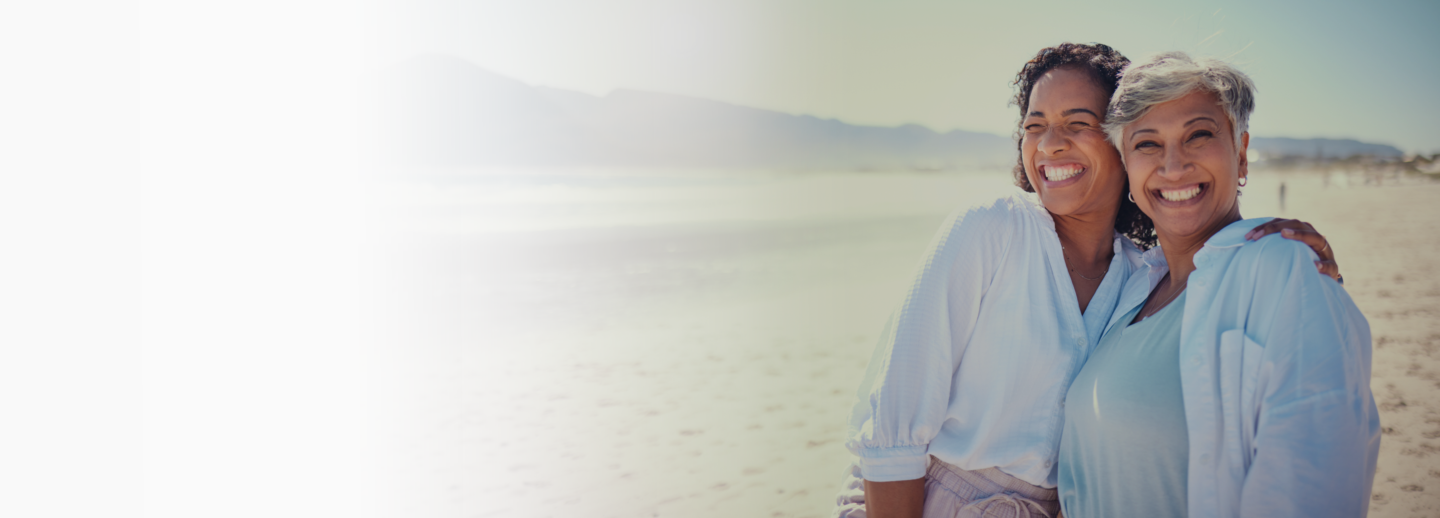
[(1244, 154)]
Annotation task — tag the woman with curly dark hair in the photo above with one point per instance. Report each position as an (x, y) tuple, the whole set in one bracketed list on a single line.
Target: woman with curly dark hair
[(962, 405)]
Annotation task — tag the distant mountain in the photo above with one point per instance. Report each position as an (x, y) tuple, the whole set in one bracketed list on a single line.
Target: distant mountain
[(444, 111), (441, 110), (1278, 147)]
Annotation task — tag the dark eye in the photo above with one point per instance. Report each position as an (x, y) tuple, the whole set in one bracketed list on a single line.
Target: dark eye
[(1146, 144), (1201, 134), (1081, 124)]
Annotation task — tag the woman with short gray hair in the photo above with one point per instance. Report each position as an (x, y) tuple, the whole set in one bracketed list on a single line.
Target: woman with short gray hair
[(1246, 393)]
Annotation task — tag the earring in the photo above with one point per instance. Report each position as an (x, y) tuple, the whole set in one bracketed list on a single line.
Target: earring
[(1244, 180), (1130, 195)]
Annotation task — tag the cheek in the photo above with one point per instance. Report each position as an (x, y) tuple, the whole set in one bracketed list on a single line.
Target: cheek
[(1135, 175), (1027, 156), (1132, 164), (1113, 153), (1102, 152), (1137, 186), (1227, 171)]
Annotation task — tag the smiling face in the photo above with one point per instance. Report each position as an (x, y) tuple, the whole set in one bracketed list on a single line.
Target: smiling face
[(1185, 167), (1072, 166)]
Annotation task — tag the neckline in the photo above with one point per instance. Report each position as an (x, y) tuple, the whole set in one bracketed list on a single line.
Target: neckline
[(1178, 301)]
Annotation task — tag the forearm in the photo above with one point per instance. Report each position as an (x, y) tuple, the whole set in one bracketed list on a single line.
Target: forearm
[(900, 499)]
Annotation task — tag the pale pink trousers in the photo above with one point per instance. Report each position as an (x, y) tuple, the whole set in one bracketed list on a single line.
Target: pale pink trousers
[(951, 492)]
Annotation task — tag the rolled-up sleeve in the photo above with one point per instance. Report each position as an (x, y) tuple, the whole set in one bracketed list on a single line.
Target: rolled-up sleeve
[(902, 401)]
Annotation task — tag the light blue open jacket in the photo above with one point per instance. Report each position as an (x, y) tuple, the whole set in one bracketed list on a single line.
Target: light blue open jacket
[(1275, 370)]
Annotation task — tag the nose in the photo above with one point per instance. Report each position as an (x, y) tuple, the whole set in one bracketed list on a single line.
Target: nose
[(1177, 162), (1052, 141)]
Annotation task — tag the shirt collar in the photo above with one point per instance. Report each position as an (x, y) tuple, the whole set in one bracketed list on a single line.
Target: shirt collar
[(1154, 257), (1231, 236)]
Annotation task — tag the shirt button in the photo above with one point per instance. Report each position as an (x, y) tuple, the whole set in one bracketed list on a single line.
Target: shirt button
[(1047, 463)]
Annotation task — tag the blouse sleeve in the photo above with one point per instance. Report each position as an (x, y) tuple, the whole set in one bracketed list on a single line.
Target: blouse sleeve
[(1317, 436), (903, 398)]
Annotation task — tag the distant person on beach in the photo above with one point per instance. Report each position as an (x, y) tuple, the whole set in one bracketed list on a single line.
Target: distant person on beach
[(961, 407), (1282, 196), (1232, 380)]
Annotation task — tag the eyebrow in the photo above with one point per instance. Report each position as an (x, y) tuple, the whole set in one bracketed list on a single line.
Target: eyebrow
[(1191, 121), (1138, 132), (1066, 113)]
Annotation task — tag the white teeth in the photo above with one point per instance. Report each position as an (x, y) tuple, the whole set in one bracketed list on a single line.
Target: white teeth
[(1056, 174), (1180, 194)]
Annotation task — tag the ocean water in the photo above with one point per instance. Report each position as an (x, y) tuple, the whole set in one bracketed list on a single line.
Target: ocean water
[(501, 201), (567, 249)]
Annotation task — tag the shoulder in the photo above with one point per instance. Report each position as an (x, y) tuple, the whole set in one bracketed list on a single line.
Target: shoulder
[(1230, 251), (984, 233), (1279, 279), (1274, 272), (1004, 216), (1273, 256)]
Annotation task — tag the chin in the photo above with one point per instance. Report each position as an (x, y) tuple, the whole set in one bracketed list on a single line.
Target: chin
[(1186, 227), (1061, 205)]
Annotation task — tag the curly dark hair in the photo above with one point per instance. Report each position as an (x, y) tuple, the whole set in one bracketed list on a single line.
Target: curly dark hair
[(1105, 65)]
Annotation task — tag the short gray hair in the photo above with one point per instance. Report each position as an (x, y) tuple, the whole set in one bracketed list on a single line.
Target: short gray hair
[(1165, 77)]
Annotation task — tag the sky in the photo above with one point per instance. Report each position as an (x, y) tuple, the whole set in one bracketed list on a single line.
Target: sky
[(1323, 68)]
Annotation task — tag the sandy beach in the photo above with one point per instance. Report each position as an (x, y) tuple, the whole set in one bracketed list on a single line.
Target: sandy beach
[(653, 345)]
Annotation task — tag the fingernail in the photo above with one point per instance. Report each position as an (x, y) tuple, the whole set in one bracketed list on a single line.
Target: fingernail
[(1250, 235), (1288, 232)]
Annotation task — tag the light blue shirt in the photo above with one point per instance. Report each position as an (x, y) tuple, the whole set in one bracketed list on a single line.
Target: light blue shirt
[(1275, 371), (974, 365), (1125, 450)]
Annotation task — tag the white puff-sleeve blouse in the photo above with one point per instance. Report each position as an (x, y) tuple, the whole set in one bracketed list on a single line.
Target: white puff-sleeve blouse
[(974, 365)]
